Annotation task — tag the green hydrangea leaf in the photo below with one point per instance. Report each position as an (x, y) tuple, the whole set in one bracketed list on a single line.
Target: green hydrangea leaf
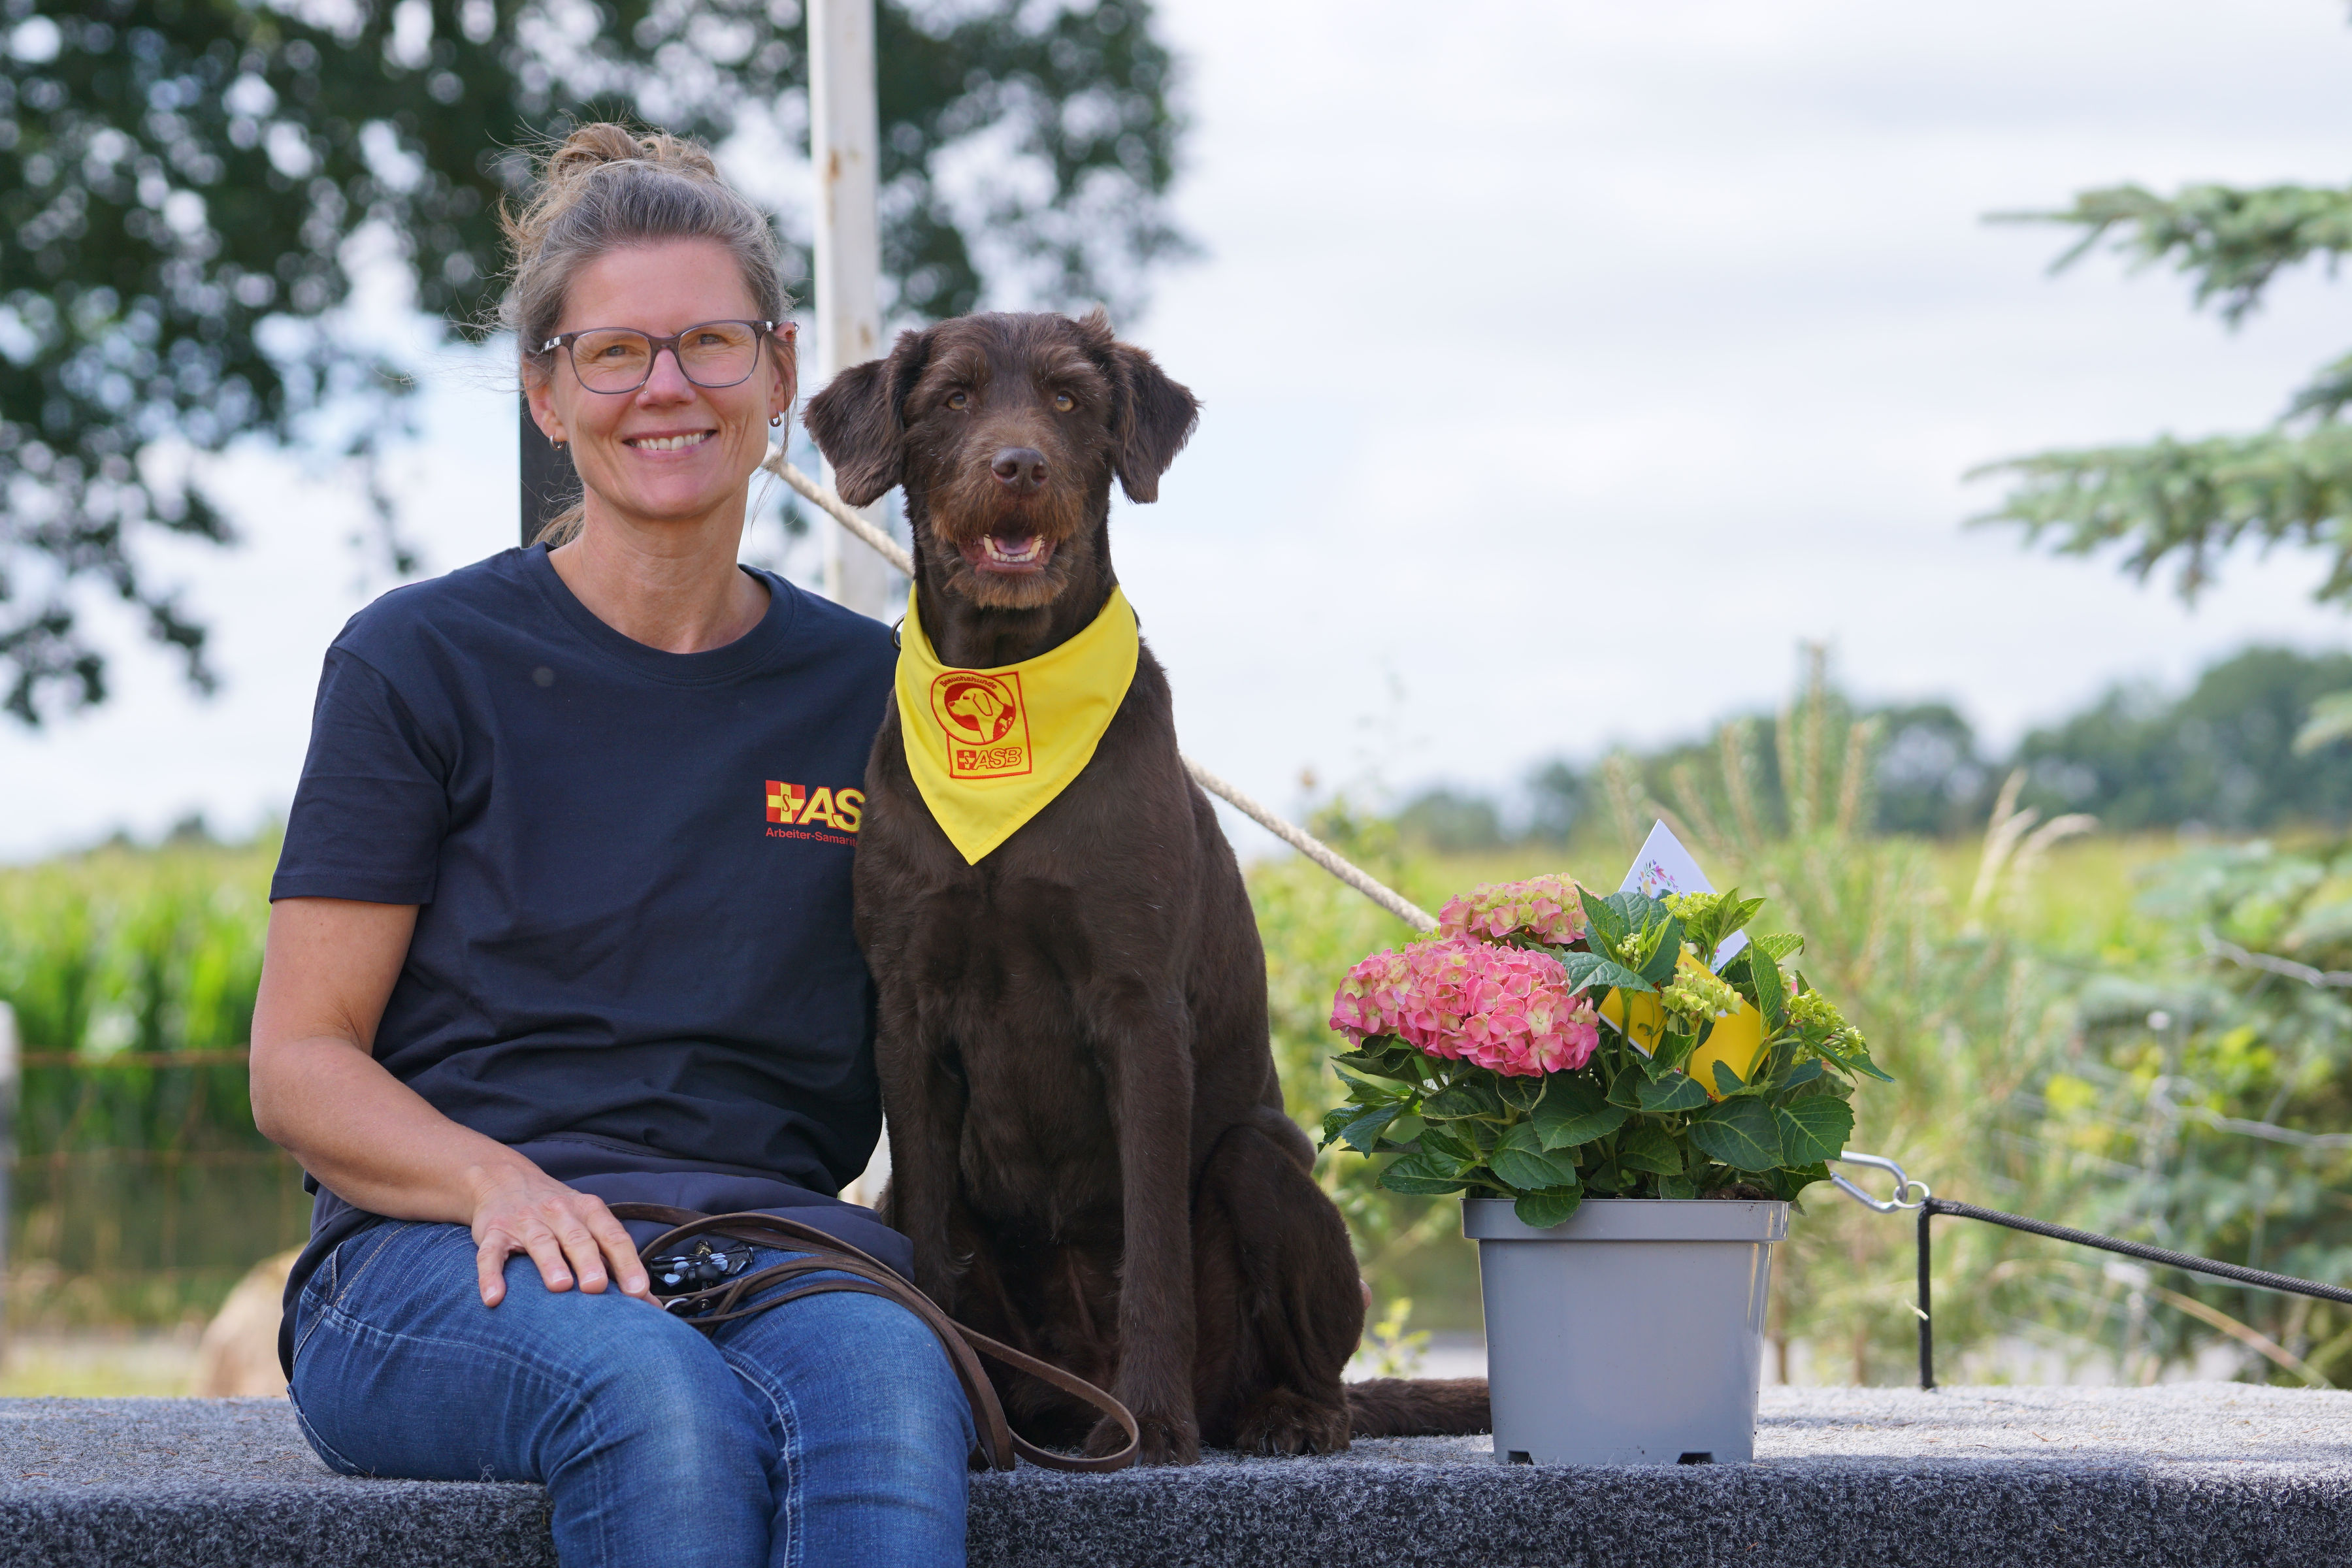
[(1672, 1052), (1363, 1134), (1678, 1187), (1727, 1082), (1815, 1129), (1545, 1210), (1659, 967), (1604, 917), (1771, 992), (1783, 945), (1446, 1139), (1468, 1097), (1393, 1063), (1680, 1091), (1423, 1175), (1851, 1054), (1520, 1164), (1521, 1093), (1369, 1094), (1573, 1111), (1787, 1183), (1592, 970), (1741, 1132), (1651, 1149)]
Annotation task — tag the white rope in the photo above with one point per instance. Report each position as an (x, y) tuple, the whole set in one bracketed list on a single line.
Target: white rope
[(822, 495), (841, 512)]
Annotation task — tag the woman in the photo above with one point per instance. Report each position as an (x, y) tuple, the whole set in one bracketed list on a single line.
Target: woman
[(563, 918)]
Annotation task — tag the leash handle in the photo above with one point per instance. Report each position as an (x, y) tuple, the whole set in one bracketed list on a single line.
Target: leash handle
[(869, 1276)]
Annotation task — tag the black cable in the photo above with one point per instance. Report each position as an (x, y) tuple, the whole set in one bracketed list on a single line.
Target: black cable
[(2170, 1260), (2140, 1250)]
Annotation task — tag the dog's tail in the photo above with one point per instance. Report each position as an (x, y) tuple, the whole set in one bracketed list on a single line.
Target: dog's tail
[(1417, 1406)]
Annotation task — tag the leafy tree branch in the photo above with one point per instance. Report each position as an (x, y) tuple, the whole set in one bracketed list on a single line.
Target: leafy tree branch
[(181, 183)]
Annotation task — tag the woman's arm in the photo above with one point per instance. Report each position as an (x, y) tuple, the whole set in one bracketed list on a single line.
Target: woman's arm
[(319, 1093)]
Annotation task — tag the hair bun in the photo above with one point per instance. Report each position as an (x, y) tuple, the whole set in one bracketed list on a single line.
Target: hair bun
[(591, 147), (579, 158)]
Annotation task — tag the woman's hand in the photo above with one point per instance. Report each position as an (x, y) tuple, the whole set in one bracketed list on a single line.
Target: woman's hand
[(319, 1093), (569, 1235)]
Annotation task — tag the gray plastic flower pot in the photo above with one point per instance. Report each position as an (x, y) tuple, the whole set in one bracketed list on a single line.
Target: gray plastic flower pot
[(1634, 1334)]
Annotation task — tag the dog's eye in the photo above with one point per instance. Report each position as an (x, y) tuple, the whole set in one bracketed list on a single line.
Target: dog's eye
[(1064, 402), (957, 400)]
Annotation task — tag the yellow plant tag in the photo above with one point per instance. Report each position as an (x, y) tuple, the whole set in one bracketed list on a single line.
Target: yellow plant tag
[(1736, 1040)]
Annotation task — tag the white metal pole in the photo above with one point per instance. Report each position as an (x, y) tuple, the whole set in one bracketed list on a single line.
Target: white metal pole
[(844, 140)]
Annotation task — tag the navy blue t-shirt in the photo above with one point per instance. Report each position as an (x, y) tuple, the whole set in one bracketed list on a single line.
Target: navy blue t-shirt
[(632, 945)]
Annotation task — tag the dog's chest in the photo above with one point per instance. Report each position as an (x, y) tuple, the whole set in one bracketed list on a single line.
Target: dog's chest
[(1039, 1144)]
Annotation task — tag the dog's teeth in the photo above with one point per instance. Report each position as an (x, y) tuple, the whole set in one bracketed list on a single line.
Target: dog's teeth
[(1027, 551)]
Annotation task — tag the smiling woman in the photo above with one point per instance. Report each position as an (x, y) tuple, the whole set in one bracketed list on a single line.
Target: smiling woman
[(536, 949)]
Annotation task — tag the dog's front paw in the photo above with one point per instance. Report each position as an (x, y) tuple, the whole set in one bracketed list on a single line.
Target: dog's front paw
[(1282, 1421), (1162, 1439)]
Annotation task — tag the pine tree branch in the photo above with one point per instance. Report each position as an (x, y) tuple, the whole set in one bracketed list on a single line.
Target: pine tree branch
[(2326, 393), (2235, 241), (2189, 502)]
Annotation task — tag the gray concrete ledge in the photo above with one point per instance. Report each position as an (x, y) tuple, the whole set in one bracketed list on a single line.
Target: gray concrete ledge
[(2201, 1476)]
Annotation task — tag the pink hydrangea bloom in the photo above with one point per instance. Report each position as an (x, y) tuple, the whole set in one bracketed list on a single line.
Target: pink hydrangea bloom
[(1503, 1008), (1545, 908)]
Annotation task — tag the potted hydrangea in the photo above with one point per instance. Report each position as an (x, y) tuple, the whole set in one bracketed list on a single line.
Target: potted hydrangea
[(1630, 1094)]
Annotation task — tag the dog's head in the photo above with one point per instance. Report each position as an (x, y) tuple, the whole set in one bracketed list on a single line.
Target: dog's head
[(1006, 431)]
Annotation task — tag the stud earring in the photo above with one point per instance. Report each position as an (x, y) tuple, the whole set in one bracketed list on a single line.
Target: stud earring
[(773, 422), (561, 442)]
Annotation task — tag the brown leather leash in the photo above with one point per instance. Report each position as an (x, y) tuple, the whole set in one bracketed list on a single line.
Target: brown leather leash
[(825, 1253)]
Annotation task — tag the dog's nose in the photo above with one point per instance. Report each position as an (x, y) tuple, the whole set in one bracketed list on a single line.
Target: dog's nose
[(1021, 467)]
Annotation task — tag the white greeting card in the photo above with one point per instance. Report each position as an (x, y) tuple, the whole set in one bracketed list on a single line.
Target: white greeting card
[(1665, 867)]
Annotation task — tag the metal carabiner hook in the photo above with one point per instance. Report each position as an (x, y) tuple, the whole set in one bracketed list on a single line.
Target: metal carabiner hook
[(1908, 1194)]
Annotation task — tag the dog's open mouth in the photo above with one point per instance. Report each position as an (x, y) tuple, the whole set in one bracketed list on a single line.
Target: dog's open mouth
[(1011, 553)]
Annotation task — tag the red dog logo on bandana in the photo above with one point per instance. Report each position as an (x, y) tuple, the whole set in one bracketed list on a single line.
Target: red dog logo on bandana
[(985, 722)]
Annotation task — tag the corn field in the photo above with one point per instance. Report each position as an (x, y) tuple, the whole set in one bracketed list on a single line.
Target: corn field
[(141, 1191)]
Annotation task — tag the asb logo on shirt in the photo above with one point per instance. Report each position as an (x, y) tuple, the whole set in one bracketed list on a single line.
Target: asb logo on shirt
[(798, 811), (985, 721)]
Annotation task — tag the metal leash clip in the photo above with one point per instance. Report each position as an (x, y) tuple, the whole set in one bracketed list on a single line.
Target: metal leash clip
[(1908, 1194)]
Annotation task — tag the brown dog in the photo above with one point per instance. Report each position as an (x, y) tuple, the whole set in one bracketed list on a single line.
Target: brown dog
[(1088, 1142)]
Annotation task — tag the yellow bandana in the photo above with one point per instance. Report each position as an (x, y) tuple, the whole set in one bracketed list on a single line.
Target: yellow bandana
[(991, 748)]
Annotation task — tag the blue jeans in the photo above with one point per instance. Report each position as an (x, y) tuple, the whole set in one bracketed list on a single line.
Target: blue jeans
[(831, 1430)]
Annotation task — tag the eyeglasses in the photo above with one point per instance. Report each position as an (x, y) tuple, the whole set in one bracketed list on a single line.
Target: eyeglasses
[(620, 359)]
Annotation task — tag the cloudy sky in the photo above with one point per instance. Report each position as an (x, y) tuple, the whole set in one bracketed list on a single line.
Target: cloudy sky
[(1565, 364)]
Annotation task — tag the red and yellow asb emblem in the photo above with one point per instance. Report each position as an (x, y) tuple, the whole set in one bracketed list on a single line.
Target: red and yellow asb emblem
[(797, 805), (985, 722)]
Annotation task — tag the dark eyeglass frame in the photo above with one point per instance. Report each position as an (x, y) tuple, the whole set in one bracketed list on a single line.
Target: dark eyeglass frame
[(762, 332)]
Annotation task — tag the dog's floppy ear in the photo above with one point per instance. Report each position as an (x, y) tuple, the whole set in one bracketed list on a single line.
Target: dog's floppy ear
[(857, 420), (1152, 415)]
